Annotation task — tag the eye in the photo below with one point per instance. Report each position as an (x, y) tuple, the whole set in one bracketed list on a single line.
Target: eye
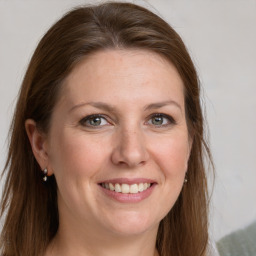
[(94, 121), (160, 120)]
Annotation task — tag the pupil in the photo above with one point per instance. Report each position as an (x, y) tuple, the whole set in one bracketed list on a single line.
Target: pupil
[(158, 120), (95, 121)]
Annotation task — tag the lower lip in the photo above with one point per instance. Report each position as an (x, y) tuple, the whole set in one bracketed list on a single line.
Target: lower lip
[(129, 198)]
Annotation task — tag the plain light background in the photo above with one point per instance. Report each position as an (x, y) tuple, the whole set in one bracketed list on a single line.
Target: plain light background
[(221, 38)]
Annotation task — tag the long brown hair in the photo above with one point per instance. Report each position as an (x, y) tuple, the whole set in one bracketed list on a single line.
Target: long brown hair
[(30, 206)]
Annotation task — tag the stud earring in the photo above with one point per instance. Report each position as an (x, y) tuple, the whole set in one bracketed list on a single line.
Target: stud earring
[(186, 178), (45, 171)]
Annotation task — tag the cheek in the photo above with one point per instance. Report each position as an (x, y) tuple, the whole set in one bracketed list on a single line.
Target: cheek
[(172, 155), (75, 154)]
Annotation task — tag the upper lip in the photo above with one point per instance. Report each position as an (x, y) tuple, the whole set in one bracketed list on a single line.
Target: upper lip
[(128, 181)]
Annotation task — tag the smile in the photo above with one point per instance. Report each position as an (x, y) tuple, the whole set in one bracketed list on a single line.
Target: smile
[(126, 188)]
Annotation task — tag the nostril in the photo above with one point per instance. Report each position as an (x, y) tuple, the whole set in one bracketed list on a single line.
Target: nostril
[(130, 151)]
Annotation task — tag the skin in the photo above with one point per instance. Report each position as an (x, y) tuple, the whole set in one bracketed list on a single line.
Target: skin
[(127, 142)]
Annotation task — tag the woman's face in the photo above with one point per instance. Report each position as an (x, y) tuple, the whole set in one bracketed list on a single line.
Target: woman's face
[(118, 144)]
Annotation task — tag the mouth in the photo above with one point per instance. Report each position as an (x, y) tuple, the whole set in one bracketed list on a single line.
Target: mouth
[(126, 188)]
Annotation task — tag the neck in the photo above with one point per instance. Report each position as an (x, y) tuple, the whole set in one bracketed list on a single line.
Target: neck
[(72, 242)]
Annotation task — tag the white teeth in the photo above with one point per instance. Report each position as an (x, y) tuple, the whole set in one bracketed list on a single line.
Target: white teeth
[(117, 188), (141, 187), (134, 188), (125, 188), (111, 186)]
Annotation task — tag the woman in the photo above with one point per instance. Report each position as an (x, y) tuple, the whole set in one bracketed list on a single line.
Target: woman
[(106, 152)]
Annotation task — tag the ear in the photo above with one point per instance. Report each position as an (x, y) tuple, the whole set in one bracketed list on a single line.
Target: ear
[(38, 143)]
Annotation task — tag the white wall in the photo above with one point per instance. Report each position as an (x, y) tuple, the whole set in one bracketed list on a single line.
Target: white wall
[(221, 37)]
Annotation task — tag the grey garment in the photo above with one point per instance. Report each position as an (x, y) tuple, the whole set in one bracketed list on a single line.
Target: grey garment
[(239, 243)]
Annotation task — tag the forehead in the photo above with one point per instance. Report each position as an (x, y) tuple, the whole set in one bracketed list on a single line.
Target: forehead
[(133, 73)]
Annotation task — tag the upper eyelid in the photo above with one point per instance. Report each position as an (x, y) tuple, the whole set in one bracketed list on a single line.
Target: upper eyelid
[(94, 115), (86, 118), (171, 118)]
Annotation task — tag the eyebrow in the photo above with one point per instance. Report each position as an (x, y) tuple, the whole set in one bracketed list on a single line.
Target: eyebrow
[(111, 108), (100, 105), (162, 104)]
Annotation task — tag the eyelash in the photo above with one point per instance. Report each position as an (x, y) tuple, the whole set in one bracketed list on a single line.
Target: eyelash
[(170, 120), (91, 117)]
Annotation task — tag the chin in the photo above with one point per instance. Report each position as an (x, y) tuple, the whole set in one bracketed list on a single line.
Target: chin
[(132, 224)]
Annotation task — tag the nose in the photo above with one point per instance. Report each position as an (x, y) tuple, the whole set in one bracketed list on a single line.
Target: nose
[(130, 149)]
